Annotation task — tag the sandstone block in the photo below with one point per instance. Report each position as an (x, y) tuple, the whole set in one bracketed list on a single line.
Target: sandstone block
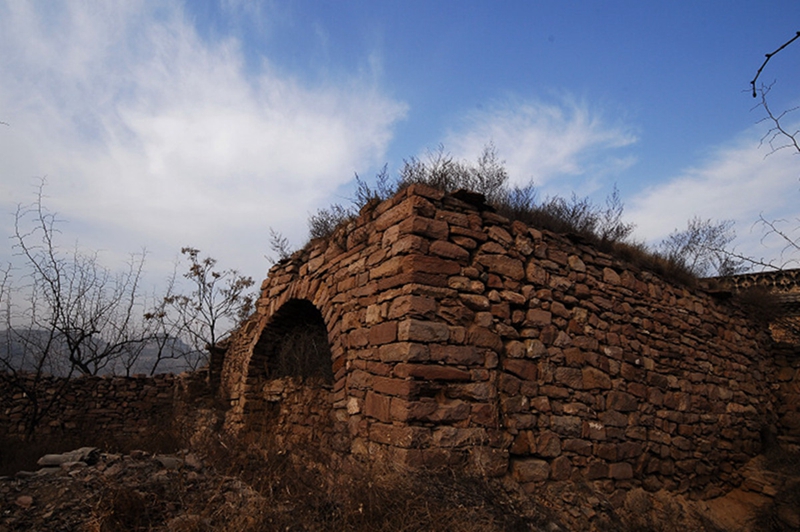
[(537, 318), (459, 437), (466, 355), (567, 426), (394, 387), (524, 369), (431, 372), (548, 445), (530, 470), (535, 273), (449, 250), (524, 443), (610, 276), (412, 206), (433, 229), (377, 406), (570, 377), (593, 378), (576, 264), (383, 333), (413, 330), (475, 301), (483, 337), (400, 436), (402, 410), (622, 402), (594, 430), (404, 352), (412, 306), (620, 471), (428, 264), (503, 265), (597, 470)]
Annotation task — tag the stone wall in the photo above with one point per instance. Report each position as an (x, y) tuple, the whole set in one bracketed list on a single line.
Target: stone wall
[(456, 337), (107, 408), (459, 337)]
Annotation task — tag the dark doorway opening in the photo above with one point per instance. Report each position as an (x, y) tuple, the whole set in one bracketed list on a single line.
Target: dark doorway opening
[(295, 344)]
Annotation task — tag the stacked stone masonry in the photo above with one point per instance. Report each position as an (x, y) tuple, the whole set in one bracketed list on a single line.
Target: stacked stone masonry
[(111, 408), (460, 338)]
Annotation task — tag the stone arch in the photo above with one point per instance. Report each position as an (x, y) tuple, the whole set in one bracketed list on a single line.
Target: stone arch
[(293, 343)]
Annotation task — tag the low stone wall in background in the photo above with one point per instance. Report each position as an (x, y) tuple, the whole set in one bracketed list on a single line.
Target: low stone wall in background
[(110, 408)]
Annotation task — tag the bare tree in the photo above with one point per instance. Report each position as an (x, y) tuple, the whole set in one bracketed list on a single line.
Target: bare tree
[(89, 308), (702, 248), (218, 302), (68, 315)]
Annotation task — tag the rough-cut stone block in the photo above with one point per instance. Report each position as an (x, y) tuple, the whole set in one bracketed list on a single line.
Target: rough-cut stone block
[(593, 378), (610, 276), (431, 372), (537, 318), (570, 377), (567, 426), (383, 333), (399, 436), (413, 330), (450, 412), (483, 337), (434, 229), (395, 387), (377, 406), (503, 265), (613, 418), (404, 352), (594, 430), (449, 250), (524, 369), (548, 444), (412, 206), (576, 264), (402, 410), (489, 461), (412, 306), (530, 470), (459, 437), (622, 402), (466, 355), (620, 471), (597, 470), (475, 301), (428, 264)]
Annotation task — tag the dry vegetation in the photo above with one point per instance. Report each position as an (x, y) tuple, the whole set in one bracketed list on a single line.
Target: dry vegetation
[(246, 486)]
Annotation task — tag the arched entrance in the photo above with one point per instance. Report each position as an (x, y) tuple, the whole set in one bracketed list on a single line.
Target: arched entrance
[(293, 344)]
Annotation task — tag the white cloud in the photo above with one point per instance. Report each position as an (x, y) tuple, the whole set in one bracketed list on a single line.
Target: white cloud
[(737, 182), (547, 142), (151, 136)]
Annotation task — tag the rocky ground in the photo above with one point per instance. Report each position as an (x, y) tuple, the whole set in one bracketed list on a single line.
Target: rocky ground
[(91, 490)]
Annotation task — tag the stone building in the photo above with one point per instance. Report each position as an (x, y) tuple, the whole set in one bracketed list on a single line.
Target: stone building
[(430, 331)]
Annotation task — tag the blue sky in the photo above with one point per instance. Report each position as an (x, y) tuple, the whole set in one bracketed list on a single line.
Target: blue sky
[(165, 124)]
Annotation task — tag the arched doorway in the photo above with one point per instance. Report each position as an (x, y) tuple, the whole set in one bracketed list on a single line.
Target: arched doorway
[(293, 344)]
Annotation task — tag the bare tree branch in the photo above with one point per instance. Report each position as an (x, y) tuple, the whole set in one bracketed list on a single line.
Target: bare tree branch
[(777, 130), (766, 60)]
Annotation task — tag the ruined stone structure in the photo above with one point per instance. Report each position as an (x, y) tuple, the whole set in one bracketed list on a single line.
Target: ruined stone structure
[(457, 337)]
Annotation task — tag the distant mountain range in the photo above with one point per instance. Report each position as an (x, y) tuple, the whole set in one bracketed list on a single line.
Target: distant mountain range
[(13, 349)]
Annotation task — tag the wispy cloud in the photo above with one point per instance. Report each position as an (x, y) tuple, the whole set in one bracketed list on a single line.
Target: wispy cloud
[(548, 142), (152, 136), (739, 181)]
